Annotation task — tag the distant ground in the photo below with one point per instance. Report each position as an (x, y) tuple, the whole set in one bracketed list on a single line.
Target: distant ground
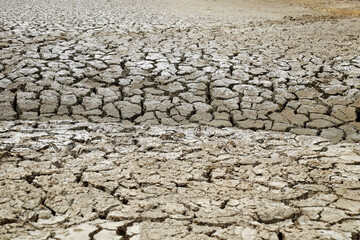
[(267, 9)]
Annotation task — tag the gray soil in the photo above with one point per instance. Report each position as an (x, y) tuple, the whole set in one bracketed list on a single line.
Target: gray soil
[(179, 119)]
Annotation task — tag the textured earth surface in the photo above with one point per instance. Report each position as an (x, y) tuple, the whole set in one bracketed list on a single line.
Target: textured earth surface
[(66, 180), (106, 61), (179, 119)]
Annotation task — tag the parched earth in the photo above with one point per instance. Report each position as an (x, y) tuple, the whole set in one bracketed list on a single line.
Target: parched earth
[(76, 180), (104, 61), (179, 119)]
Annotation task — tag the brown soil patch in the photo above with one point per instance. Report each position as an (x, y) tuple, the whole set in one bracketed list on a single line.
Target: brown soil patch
[(261, 9), (340, 8)]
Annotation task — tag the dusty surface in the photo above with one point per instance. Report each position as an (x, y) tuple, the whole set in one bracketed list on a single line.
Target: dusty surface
[(264, 9), (237, 9), (65, 180), (125, 119)]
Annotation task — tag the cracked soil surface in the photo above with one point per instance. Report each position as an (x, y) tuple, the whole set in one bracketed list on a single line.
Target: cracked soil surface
[(179, 119)]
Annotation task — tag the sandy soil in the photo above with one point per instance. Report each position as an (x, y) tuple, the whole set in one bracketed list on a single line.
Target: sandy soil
[(262, 9)]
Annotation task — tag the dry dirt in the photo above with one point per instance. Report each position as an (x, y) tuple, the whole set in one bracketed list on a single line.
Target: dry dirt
[(265, 9), (179, 119)]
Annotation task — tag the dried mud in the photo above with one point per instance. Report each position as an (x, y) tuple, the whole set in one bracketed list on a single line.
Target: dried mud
[(179, 119)]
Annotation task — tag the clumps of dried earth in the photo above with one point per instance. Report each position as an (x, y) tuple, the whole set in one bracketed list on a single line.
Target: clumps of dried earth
[(76, 180), (125, 64), (179, 119)]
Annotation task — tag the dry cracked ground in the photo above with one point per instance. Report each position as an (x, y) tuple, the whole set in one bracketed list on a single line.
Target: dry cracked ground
[(179, 119)]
